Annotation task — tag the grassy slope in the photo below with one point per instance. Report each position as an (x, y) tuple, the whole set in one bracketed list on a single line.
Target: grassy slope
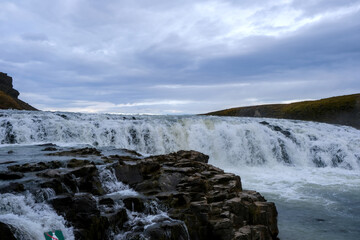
[(7, 102), (338, 110)]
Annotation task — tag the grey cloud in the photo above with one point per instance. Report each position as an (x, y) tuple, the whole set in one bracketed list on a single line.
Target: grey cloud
[(35, 37), (313, 7), (318, 47), (113, 52)]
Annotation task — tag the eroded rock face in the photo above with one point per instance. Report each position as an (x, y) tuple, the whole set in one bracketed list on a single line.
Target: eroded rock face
[(6, 231), (6, 85), (210, 202), (202, 201), (9, 96)]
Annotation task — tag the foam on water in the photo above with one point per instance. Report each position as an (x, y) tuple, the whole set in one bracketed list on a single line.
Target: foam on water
[(229, 141), (29, 218), (313, 166), (152, 215), (112, 186)]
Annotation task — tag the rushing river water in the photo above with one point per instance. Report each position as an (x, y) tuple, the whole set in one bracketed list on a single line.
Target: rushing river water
[(310, 170)]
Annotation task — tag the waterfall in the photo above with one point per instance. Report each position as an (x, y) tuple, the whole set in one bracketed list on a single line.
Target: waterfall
[(228, 141)]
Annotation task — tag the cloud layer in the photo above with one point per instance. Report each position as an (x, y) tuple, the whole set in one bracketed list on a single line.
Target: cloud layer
[(166, 57)]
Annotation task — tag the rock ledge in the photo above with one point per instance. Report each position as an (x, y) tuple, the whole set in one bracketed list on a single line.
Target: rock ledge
[(201, 201)]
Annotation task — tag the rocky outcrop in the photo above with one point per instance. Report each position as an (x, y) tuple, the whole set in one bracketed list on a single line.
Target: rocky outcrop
[(212, 203), (201, 201), (6, 85), (6, 231), (9, 95)]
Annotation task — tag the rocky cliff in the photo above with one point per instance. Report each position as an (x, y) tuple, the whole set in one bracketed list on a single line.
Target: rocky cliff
[(200, 200), (9, 95), (343, 110)]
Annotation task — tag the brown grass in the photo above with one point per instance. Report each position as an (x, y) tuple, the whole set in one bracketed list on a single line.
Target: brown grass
[(7, 102)]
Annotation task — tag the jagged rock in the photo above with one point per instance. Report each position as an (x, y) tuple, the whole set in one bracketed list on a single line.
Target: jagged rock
[(9, 95), (84, 215), (117, 219), (6, 232), (210, 202), (35, 167), (167, 231), (78, 152), (131, 152), (10, 176), (73, 163), (49, 149), (203, 201), (47, 145), (12, 187), (106, 201), (135, 204), (50, 173), (83, 179), (6, 85), (88, 179), (115, 158)]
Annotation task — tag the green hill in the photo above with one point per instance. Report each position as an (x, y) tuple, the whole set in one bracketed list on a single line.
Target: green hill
[(344, 110)]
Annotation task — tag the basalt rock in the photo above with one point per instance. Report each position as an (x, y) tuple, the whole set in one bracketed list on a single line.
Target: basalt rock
[(27, 167), (77, 152), (212, 203), (6, 232), (10, 176), (83, 213), (201, 201), (12, 188)]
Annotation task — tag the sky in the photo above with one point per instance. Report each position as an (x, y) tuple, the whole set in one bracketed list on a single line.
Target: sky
[(178, 57)]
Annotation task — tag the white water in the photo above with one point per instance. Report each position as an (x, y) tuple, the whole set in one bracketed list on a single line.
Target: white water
[(310, 170), (118, 191), (230, 142), (29, 218)]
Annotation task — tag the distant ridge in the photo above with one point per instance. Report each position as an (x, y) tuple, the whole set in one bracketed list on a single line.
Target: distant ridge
[(344, 110), (9, 95)]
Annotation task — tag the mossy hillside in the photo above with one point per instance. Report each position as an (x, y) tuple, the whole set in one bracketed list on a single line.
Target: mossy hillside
[(7, 102), (321, 109), (343, 110)]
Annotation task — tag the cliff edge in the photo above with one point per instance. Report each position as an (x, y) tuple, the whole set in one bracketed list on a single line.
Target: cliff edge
[(9, 95)]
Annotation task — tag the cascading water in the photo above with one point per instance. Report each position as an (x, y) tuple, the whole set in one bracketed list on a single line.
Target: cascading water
[(310, 170), (228, 141), (152, 215), (29, 217)]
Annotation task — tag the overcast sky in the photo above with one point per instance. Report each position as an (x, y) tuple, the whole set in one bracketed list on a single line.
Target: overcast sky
[(178, 57)]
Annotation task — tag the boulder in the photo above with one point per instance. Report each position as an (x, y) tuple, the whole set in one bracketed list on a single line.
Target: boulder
[(10, 176), (168, 230), (84, 215), (12, 188), (6, 231)]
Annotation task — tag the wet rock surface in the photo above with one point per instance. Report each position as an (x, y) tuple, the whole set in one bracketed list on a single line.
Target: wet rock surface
[(6, 231), (200, 200), (212, 203)]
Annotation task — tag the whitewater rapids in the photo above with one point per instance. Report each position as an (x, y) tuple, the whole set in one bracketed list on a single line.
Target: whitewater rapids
[(310, 170)]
